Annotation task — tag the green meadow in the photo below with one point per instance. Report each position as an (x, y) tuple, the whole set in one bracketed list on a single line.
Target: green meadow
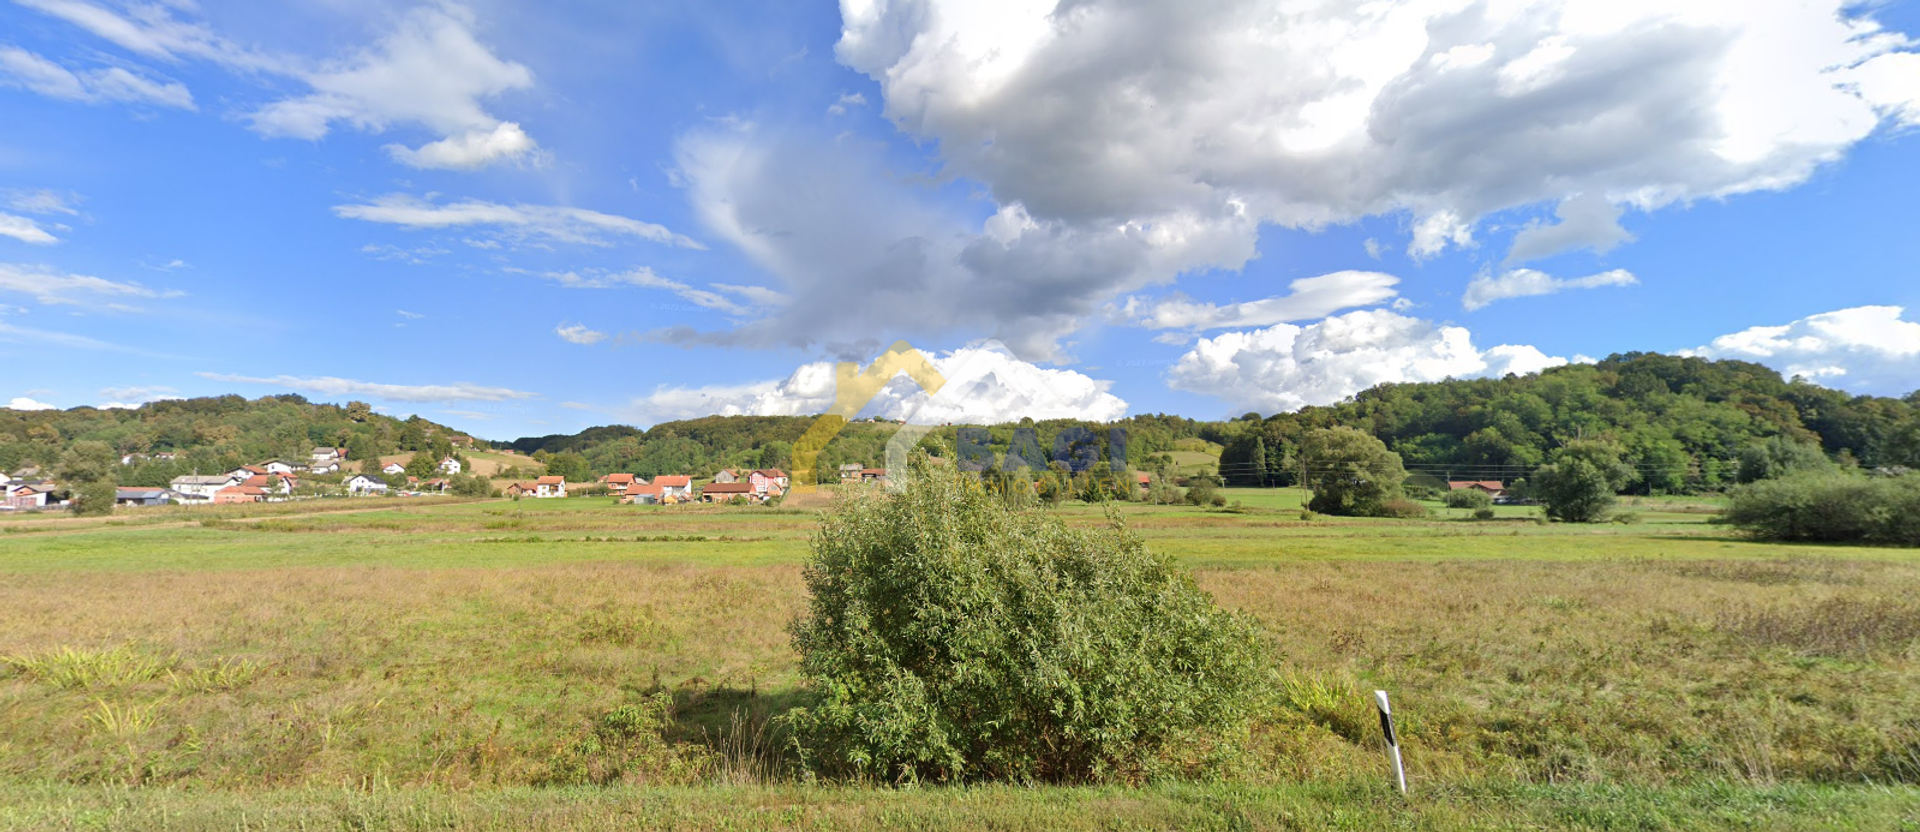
[(437, 664)]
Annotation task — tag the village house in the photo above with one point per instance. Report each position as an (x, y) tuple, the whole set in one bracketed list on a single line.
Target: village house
[(644, 494), (361, 485), (200, 489), (850, 473), (142, 496), (768, 482), (678, 487), (873, 476), (331, 466), (619, 483), (239, 494), (275, 466), (449, 466), (246, 471), (550, 487), (721, 492), (27, 494), (322, 456), (727, 475), (437, 485), (393, 469), (1492, 488), (281, 484)]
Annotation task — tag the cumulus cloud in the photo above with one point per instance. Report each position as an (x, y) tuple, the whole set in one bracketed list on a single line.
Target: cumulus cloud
[(471, 150), (1865, 349), (430, 71), (1308, 298), (1287, 367), (26, 70), (984, 385), (847, 100), (57, 288), (1317, 112), (1521, 283), (24, 403), (579, 334), (862, 257), (459, 391), (516, 222), (1586, 221)]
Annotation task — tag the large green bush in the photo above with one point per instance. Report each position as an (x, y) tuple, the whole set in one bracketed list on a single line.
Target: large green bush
[(1830, 507), (1351, 473), (952, 638)]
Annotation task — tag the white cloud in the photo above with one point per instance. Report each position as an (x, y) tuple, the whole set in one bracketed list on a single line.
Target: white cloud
[(1287, 367), (52, 287), (984, 385), (151, 30), (1309, 298), (129, 398), (24, 403), (1586, 221), (430, 71), (1301, 114), (862, 257), (1521, 283), (471, 150), (518, 222), (1865, 349), (847, 100), (411, 316), (330, 386), (25, 230), (41, 338), (26, 70), (644, 278), (579, 334), (42, 201)]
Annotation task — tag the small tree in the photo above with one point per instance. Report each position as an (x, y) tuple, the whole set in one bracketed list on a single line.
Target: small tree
[(951, 638), (1472, 498), (1351, 473), (1579, 485)]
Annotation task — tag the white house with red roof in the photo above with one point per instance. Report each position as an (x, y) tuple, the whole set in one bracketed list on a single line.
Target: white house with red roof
[(675, 486)]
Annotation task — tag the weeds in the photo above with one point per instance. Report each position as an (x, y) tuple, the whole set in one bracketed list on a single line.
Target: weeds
[(77, 669), (1844, 625)]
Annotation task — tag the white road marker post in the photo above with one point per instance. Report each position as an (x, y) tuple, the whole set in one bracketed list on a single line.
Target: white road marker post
[(1393, 739)]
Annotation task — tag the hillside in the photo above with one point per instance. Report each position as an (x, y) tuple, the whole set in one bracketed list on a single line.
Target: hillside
[(1681, 422), (215, 434)]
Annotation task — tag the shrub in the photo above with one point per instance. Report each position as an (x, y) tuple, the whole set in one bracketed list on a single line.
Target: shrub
[(95, 498), (1403, 509), (1472, 498), (951, 638), (1829, 507), (1483, 513)]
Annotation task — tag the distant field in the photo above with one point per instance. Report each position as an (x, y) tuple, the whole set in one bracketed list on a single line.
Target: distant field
[(422, 663)]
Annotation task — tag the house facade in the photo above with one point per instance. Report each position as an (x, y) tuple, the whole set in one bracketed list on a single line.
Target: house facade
[(450, 466), (768, 482), (200, 489), (393, 469), (675, 486), (361, 484), (620, 483), (727, 475), (27, 494), (645, 495), (550, 487), (142, 496)]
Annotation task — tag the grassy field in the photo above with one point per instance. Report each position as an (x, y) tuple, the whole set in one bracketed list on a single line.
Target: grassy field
[(433, 663)]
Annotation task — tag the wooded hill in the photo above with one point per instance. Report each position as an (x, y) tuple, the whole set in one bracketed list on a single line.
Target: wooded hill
[(1681, 423), (216, 434)]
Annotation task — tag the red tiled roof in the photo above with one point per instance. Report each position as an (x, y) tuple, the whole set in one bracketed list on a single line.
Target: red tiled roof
[(616, 479), (774, 473), (728, 488), (675, 480), (551, 481), (645, 489), (1491, 485)]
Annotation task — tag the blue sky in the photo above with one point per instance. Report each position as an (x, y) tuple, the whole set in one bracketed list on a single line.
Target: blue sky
[(522, 220)]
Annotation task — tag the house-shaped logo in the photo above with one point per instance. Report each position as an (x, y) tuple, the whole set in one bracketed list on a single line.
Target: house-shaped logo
[(853, 389)]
